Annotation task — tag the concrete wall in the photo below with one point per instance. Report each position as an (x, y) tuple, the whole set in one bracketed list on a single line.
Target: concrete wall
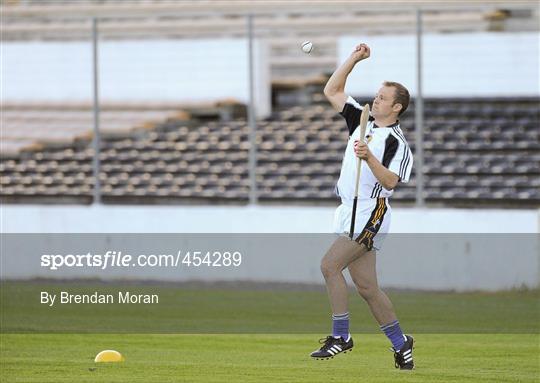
[(434, 249), (250, 219), (155, 70), (457, 64)]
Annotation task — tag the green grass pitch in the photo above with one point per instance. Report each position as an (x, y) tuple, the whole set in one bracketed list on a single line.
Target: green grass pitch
[(264, 358), (236, 335)]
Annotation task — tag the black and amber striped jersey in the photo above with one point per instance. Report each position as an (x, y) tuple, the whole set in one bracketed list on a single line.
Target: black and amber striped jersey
[(388, 145)]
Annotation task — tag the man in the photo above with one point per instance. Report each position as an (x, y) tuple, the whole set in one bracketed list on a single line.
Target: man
[(387, 160)]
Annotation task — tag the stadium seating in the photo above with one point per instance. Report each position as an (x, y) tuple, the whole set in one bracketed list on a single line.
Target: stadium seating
[(477, 151)]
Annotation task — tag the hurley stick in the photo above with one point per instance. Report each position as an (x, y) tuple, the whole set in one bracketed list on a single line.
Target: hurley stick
[(363, 124)]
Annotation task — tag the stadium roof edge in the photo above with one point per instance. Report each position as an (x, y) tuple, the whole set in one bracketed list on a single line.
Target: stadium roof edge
[(144, 10)]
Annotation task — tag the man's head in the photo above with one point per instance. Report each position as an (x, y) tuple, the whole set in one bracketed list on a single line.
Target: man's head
[(391, 100)]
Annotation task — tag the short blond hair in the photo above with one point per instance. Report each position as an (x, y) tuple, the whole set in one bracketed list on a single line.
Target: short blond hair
[(402, 95)]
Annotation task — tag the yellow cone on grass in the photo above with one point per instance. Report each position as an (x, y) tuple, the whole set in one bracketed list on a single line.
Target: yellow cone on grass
[(109, 356)]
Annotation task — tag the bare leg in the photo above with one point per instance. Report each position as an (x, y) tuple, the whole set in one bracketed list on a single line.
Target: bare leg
[(342, 252), (364, 275)]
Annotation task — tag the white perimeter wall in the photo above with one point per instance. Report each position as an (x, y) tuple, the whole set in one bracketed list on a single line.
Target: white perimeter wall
[(463, 64), (452, 265), (151, 70), (260, 219)]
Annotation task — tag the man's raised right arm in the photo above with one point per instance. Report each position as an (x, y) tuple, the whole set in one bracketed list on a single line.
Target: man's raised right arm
[(335, 87)]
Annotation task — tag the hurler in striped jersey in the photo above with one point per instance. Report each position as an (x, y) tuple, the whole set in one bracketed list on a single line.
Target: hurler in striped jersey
[(386, 160)]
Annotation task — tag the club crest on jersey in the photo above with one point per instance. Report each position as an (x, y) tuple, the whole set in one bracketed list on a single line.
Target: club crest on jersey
[(368, 138)]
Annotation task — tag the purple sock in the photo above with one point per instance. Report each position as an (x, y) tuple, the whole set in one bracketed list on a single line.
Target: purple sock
[(340, 325), (394, 333)]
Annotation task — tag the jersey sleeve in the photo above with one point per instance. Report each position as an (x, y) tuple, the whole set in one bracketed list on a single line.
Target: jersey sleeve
[(351, 113), (402, 162)]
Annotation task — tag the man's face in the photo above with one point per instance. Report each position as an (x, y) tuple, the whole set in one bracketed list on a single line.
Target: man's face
[(383, 104)]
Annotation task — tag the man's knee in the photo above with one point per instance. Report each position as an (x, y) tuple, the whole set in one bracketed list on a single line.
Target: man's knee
[(342, 252), (328, 268), (368, 291)]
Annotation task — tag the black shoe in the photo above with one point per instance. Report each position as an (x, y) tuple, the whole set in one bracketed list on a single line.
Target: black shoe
[(332, 346), (404, 358)]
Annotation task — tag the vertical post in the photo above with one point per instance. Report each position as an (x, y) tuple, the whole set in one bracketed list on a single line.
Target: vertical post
[(251, 119), (96, 140), (419, 114)]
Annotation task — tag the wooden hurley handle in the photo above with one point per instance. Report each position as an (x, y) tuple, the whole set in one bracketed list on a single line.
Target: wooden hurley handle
[(364, 118)]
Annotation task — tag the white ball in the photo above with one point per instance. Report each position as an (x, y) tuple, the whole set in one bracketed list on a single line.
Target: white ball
[(307, 46)]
